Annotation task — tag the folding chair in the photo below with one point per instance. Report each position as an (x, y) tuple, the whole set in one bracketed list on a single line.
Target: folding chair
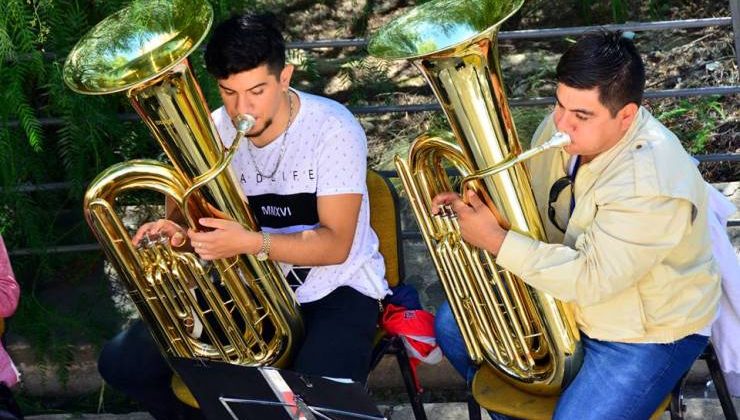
[(497, 395), (500, 395), (678, 408), (385, 221)]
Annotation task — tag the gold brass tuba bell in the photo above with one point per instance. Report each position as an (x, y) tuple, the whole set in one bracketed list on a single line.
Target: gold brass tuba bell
[(529, 337), (238, 310)]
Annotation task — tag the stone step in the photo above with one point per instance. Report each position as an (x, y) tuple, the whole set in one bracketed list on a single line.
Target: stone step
[(696, 408), (42, 380), (77, 416)]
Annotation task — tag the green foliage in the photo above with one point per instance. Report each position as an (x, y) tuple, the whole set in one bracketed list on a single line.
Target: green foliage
[(694, 121), (21, 137), (658, 9), (587, 9), (49, 135), (364, 78), (20, 61), (106, 400), (620, 11), (402, 130), (527, 119), (306, 70)]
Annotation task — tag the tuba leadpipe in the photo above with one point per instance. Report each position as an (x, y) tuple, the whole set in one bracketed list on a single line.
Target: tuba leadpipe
[(529, 337), (237, 310)]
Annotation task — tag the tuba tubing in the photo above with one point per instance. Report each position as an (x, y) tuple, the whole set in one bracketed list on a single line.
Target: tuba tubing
[(237, 310), (528, 337)]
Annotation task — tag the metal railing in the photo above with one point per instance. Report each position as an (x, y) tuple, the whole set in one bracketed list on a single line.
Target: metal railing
[(548, 32)]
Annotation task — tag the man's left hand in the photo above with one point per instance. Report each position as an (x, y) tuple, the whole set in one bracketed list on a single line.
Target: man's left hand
[(478, 225), (227, 239)]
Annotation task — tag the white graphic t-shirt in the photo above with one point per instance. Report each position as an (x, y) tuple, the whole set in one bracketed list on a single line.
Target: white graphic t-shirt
[(325, 154)]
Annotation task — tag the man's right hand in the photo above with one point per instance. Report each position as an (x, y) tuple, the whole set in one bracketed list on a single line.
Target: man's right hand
[(162, 227)]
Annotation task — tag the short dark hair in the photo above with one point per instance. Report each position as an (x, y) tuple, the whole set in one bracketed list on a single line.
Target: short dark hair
[(245, 42), (608, 61)]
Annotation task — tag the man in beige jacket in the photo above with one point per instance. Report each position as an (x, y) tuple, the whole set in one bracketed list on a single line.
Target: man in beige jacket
[(625, 211)]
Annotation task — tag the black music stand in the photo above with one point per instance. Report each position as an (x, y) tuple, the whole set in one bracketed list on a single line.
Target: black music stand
[(233, 392)]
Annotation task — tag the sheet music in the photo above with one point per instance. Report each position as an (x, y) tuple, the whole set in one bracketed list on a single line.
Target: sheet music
[(255, 393), (322, 412), (295, 407)]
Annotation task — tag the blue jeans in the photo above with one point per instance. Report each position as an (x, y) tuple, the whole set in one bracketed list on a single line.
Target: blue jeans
[(616, 381), (132, 363)]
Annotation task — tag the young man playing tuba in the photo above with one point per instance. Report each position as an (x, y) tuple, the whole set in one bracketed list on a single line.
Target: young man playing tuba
[(630, 246), (303, 172)]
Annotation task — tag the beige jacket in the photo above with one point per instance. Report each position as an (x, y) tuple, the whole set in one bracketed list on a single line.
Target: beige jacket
[(636, 259)]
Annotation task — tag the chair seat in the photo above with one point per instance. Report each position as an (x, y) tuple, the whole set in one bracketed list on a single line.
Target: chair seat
[(182, 392), (495, 394), (379, 335), (385, 221)]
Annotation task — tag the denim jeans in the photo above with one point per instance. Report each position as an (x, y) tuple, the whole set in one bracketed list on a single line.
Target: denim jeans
[(132, 363), (616, 381)]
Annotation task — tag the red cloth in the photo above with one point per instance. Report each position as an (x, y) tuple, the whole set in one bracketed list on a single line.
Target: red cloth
[(416, 329)]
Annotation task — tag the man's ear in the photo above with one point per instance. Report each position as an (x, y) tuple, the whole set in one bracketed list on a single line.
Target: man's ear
[(627, 114), (285, 75)]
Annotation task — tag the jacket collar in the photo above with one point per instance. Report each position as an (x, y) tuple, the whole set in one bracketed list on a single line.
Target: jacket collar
[(589, 172)]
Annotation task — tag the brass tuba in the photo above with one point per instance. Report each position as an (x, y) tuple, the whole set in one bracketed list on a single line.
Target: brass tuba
[(529, 337), (237, 310)]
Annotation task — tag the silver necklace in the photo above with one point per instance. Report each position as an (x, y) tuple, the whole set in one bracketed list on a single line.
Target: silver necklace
[(282, 145)]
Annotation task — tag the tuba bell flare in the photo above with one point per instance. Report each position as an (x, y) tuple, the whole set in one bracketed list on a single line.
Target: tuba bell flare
[(528, 337), (238, 310)]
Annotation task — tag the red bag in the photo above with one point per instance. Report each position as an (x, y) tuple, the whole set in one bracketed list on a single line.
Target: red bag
[(416, 329)]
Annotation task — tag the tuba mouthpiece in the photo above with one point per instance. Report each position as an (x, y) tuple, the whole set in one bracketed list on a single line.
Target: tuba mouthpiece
[(559, 139), (243, 123)]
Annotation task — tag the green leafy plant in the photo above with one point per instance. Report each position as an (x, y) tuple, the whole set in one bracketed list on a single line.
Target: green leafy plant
[(51, 136), (363, 77), (658, 8), (619, 9), (694, 121)]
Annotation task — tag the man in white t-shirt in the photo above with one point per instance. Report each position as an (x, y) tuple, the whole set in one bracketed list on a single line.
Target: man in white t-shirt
[(303, 172)]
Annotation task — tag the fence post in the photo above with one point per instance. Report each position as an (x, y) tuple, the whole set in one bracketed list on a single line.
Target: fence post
[(735, 12)]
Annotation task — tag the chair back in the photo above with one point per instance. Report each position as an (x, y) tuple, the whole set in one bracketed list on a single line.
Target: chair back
[(385, 221)]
